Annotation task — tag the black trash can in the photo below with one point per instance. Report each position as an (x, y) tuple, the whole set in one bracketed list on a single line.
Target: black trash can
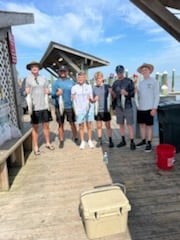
[(169, 123)]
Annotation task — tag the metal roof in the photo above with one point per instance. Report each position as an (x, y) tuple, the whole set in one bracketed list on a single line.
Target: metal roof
[(159, 11), (76, 61)]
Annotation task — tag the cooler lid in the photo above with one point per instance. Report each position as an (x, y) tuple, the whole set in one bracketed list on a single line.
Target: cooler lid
[(105, 199)]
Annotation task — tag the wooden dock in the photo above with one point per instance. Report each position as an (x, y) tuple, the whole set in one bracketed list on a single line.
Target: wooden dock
[(43, 201)]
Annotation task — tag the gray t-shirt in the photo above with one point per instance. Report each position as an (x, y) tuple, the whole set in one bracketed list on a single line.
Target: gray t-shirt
[(37, 86), (102, 92), (148, 94)]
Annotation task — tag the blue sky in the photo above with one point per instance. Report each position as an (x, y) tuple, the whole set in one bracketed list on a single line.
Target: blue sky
[(115, 31)]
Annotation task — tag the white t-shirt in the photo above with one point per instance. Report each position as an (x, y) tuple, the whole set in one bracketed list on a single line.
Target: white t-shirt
[(81, 94)]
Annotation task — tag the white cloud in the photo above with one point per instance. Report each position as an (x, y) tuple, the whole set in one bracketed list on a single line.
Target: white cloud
[(63, 28)]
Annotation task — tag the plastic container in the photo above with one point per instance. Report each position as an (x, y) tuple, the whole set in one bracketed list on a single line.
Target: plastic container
[(104, 211), (165, 156)]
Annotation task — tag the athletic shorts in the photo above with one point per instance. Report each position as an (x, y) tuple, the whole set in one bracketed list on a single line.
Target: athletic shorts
[(103, 116), (68, 113), (122, 114), (88, 117), (41, 116), (144, 117)]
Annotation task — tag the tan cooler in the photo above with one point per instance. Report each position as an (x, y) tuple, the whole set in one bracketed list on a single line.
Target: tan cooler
[(104, 211)]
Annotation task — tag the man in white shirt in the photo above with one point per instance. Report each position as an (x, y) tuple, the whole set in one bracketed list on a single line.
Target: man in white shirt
[(82, 98)]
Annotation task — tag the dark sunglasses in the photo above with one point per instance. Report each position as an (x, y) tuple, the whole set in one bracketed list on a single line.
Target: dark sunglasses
[(36, 80)]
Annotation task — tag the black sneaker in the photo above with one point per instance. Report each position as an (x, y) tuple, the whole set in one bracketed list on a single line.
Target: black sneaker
[(99, 144), (111, 144), (141, 144), (121, 144), (132, 146), (61, 144), (148, 147), (76, 140)]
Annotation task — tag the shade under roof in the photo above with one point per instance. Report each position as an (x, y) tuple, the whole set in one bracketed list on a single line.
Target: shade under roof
[(76, 61)]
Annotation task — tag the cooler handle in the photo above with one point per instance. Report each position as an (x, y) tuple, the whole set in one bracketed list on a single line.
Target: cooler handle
[(120, 185)]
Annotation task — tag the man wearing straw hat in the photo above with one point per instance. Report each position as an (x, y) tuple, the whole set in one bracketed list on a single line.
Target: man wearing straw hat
[(148, 95), (37, 89)]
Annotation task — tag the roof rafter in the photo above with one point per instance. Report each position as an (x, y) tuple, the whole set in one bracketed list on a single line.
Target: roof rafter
[(159, 13)]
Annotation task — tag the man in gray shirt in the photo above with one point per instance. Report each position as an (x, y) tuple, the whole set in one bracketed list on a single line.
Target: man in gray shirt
[(148, 95), (37, 89)]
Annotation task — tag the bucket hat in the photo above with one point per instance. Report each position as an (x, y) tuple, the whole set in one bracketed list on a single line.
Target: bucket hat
[(146, 65), (33, 63)]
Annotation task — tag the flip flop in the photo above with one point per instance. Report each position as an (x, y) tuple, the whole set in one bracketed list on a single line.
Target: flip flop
[(37, 152), (50, 147)]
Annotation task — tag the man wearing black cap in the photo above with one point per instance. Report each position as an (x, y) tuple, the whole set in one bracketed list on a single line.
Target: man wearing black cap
[(122, 92), (62, 87)]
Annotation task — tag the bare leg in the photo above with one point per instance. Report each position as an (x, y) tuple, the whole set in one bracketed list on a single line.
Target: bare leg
[(81, 131), (149, 133), (74, 130), (61, 132), (99, 128), (131, 131), (46, 133), (108, 128), (89, 130), (143, 130), (122, 130), (35, 136)]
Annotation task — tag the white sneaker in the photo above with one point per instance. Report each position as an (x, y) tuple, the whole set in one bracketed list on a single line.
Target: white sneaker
[(82, 145), (90, 143)]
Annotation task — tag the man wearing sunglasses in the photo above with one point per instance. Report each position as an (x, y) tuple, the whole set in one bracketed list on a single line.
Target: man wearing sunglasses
[(37, 90)]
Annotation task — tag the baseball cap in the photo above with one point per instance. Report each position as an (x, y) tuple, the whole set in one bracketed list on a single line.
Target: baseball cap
[(119, 69), (63, 68)]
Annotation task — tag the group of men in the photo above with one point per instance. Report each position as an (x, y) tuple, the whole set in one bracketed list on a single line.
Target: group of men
[(83, 103)]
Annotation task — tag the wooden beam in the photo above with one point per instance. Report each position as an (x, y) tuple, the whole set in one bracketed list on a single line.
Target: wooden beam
[(8, 19), (69, 62), (161, 15), (171, 3)]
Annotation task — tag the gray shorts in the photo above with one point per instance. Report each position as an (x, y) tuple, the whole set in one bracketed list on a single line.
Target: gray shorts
[(122, 114)]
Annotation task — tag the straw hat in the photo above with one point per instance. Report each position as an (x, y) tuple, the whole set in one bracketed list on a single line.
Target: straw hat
[(34, 63), (146, 65)]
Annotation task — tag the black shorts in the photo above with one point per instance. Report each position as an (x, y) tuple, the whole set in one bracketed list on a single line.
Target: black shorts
[(103, 116), (40, 117), (68, 113), (144, 117)]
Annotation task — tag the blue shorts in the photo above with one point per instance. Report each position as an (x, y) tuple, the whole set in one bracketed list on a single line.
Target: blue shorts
[(82, 117)]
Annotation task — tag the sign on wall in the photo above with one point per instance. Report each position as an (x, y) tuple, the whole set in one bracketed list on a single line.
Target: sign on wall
[(12, 48)]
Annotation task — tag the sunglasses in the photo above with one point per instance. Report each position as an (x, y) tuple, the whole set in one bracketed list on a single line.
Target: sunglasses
[(36, 80)]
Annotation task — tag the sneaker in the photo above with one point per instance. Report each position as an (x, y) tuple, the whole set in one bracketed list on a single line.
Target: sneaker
[(141, 144), (121, 144), (99, 144), (76, 141), (82, 145), (90, 143), (148, 147), (61, 144), (132, 146), (111, 144)]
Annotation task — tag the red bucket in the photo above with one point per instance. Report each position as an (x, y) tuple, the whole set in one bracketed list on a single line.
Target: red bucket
[(165, 156)]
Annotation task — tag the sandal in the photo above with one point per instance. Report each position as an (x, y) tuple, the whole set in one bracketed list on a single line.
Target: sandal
[(50, 147), (37, 152)]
